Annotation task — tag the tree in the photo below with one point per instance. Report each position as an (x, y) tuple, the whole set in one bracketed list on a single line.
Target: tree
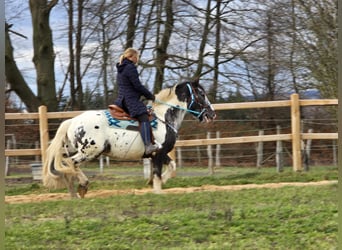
[(15, 78), (44, 56), (43, 60), (266, 49), (162, 46), (131, 23), (318, 42)]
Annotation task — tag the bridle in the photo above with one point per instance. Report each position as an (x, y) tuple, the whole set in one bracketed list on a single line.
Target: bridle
[(194, 99)]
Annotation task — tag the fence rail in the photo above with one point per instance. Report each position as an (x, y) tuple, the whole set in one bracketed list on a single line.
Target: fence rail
[(295, 136)]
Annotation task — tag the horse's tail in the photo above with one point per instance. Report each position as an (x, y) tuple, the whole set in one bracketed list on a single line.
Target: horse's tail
[(56, 167)]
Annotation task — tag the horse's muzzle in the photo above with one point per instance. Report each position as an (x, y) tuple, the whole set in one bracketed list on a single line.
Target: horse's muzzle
[(208, 116)]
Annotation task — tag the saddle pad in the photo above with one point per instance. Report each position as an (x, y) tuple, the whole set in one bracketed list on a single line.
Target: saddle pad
[(127, 124)]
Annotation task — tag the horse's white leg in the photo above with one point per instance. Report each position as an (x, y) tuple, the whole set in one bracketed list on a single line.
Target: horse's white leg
[(170, 171), (157, 185)]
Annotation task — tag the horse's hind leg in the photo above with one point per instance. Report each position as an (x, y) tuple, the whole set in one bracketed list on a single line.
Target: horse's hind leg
[(76, 175), (69, 182), (83, 182)]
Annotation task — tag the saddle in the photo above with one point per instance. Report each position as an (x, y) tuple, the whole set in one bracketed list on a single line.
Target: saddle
[(120, 114)]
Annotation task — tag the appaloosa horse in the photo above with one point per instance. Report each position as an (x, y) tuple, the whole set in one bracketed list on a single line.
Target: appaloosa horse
[(93, 133)]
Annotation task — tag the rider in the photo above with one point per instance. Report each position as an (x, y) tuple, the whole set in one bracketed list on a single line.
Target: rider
[(130, 91)]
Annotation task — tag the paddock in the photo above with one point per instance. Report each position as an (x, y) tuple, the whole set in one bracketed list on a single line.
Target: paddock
[(237, 208)]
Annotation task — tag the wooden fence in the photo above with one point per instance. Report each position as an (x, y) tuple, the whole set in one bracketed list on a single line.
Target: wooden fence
[(296, 136)]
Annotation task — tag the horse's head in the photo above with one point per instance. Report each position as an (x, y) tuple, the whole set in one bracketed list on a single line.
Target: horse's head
[(198, 103)]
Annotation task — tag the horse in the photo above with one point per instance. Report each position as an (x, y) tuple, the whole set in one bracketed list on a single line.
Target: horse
[(95, 132)]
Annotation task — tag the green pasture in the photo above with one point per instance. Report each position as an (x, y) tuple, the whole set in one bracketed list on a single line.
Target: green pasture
[(282, 218)]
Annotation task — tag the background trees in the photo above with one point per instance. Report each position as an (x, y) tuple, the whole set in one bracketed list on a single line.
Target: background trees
[(263, 50)]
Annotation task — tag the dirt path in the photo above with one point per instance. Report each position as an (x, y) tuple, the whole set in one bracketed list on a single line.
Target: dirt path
[(106, 193)]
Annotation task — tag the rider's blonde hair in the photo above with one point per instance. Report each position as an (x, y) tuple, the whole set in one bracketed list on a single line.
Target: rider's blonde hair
[(129, 53)]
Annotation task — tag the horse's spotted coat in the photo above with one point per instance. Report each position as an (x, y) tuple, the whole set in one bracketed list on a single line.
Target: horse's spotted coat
[(93, 133)]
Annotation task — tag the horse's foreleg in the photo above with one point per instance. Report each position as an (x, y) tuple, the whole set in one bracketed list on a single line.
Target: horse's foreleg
[(157, 184), (157, 177), (170, 171)]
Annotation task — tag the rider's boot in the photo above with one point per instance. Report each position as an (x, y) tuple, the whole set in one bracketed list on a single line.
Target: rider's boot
[(145, 131)]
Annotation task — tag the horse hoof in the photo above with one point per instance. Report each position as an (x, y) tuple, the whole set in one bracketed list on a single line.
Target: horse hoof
[(82, 190)]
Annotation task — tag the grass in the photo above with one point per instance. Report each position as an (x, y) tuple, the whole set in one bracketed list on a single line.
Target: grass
[(285, 218)]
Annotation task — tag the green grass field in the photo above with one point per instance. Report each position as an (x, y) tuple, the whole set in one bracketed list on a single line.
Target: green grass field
[(282, 218)]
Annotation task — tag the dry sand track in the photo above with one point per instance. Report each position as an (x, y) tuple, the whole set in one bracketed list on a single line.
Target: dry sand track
[(106, 193)]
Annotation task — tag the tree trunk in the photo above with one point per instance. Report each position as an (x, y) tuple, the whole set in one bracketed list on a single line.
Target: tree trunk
[(105, 57), (203, 41), (214, 87), (71, 53), (162, 47), (79, 89), (16, 79), (131, 26), (44, 56)]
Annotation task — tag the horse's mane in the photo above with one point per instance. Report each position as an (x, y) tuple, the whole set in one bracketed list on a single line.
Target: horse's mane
[(166, 94)]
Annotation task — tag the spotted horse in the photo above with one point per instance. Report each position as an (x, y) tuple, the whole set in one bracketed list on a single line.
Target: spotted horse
[(92, 133)]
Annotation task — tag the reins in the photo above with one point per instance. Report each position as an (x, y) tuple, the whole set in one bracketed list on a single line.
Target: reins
[(189, 110), (198, 114), (178, 107)]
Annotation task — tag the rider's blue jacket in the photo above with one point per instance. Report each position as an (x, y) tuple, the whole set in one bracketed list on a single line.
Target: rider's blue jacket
[(131, 89)]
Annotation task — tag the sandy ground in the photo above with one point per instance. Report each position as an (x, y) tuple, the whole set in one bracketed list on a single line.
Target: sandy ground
[(106, 193)]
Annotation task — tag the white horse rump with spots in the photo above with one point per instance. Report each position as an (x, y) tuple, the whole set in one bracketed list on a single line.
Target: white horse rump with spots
[(93, 133)]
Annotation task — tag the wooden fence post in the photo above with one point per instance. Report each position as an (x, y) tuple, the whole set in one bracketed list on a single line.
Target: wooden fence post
[(210, 156), (295, 130), (147, 168), (101, 164), (259, 150), (179, 157), (218, 151), (198, 150), (8, 146), (279, 153), (43, 130), (307, 151), (334, 147)]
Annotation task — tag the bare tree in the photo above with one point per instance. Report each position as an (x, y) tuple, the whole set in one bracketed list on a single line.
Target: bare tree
[(161, 48), (255, 47), (44, 56), (131, 23), (43, 60), (318, 42), (15, 78)]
